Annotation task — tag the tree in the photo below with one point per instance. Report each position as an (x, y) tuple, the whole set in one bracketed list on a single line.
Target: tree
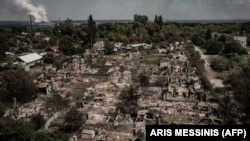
[(51, 136), (152, 28), (12, 130), (74, 119), (66, 27), (43, 45), (38, 121), (197, 40), (52, 41), (124, 39), (18, 29), (81, 33), (222, 38), (140, 18), (240, 84), (3, 46), (91, 30), (57, 102), (214, 47), (66, 45), (137, 25), (18, 84), (113, 37), (233, 48), (109, 47), (129, 100), (158, 20), (208, 34), (144, 80)]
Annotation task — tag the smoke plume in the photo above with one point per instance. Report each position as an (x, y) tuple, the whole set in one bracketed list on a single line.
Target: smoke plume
[(26, 7)]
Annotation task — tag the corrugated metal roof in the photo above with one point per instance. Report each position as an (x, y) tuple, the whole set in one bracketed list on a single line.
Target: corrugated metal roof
[(30, 57)]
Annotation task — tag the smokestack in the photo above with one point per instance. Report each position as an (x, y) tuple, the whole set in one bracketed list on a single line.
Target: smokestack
[(31, 24)]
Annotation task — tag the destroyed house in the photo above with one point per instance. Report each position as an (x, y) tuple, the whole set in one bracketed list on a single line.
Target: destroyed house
[(44, 88)]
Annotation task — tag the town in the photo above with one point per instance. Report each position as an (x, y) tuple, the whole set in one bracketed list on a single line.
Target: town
[(107, 81)]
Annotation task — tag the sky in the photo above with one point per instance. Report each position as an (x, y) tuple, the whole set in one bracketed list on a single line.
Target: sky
[(125, 9)]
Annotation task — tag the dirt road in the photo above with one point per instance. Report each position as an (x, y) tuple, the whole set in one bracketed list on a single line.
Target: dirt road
[(211, 75)]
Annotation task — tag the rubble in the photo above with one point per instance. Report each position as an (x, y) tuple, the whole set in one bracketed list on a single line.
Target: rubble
[(95, 86)]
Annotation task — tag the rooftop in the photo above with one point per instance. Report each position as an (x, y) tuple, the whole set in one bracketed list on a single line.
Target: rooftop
[(28, 58)]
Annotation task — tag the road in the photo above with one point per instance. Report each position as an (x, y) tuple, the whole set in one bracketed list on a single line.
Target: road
[(211, 75)]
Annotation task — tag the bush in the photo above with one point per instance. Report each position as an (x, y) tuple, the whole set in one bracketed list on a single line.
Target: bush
[(220, 64)]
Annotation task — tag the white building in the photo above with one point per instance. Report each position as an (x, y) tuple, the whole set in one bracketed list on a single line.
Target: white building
[(29, 60)]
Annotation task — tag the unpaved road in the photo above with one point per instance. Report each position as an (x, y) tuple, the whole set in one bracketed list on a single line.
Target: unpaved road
[(211, 75)]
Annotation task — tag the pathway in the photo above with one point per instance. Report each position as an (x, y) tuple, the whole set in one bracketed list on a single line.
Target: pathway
[(211, 75)]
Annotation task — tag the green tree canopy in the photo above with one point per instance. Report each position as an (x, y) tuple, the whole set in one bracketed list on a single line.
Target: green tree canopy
[(91, 30), (66, 45), (109, 47), (74, 119), (197, 40), (3, 46), (208, 34), (12, 130), (214, 47), (152, 28), (38, 121), (140, 18), (240, 84), (158, 20), (66, 28), (222, 38), (51, 136), (16, 83), (53, 41), (233, 48)]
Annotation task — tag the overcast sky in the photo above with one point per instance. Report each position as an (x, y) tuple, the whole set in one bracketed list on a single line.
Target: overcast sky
[(125, 9)]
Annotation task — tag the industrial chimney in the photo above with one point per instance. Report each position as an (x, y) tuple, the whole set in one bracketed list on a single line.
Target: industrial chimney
[(31, 24)]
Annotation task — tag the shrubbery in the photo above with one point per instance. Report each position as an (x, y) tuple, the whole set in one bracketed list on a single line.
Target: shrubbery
[(220, 64)]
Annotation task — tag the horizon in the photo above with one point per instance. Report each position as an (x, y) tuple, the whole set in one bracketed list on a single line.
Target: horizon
[(119, 9), (165, 20)]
